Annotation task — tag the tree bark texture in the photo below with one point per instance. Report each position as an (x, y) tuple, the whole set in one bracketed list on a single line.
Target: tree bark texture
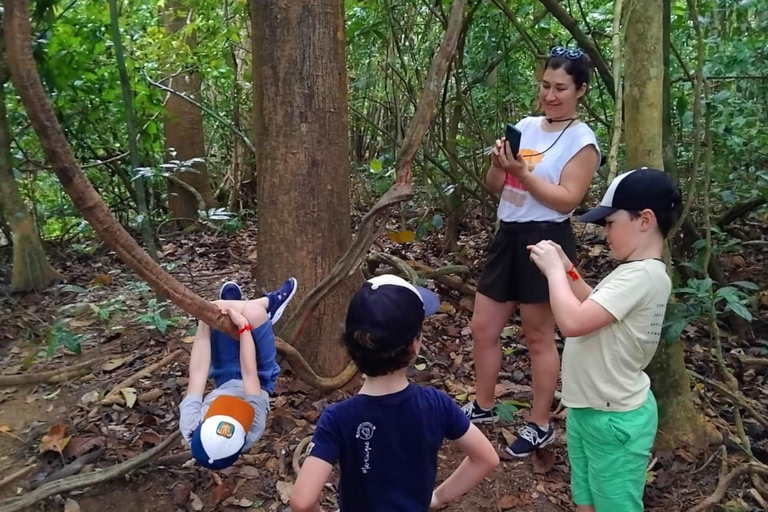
[(184, 133), (301, 125), (643, 84), (31, 270), (678, 419)]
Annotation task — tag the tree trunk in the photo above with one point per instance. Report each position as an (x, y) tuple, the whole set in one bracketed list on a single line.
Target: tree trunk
[(301, 125), (18, 37), (678, 419), (184, 135), (31, 270)]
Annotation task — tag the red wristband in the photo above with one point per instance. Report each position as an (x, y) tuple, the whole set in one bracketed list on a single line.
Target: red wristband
[(574, 275), (246, 327)]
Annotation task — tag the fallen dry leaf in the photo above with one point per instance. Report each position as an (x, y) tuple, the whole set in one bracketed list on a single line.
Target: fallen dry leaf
[(71, 505), (181, 493), (221, 492), (101, 280), (80, 445), (151, 437), (55, 440), (284, 489), (248, 472), (5, 428), (113, 364), (509, 501), (130, 396), (195, 502), (509, 437), (90, 397), (188, 339), (543, 461)]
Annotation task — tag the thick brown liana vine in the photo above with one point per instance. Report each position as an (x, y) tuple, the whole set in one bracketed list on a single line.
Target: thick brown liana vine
[(60, 157)]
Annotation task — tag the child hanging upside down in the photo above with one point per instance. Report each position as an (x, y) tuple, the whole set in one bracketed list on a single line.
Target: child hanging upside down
[(232, 417)]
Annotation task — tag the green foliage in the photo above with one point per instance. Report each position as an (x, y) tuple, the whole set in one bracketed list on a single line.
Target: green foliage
[(694, 301), (60, 335), (156, 316)]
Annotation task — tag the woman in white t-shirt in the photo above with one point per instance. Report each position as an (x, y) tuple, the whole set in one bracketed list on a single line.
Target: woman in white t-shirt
[(539, 190)]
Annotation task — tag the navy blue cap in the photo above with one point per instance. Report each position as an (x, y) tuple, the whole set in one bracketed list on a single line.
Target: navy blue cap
[(203, 458), (390, 309), (637, 190)]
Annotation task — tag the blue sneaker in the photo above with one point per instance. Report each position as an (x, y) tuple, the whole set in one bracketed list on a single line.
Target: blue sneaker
[(531, 437), (230, 291), (279, 299)]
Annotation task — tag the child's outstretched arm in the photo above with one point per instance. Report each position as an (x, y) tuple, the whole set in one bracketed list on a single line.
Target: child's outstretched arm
[(481, 460), (248, 366), (199, 364), (199, 360), (309, 484), (574, 317)]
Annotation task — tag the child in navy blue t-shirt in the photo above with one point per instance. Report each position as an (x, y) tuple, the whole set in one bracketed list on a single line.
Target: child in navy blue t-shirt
[(386, 438)]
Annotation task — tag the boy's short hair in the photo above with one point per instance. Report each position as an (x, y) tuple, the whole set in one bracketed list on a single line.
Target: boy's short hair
[(383, 319), (638, 190)]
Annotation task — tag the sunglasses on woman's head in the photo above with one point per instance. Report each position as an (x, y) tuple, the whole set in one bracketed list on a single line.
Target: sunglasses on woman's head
[(568, 53)]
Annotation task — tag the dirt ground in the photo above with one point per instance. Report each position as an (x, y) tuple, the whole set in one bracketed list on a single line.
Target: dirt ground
[(105, 303)]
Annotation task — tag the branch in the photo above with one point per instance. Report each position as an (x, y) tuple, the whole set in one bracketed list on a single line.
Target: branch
[(736, 397), (70, 469), (136, 377), (208, 111), (424, 112), (518, 26), (725, 481), (80, 481), (394, 261), (740, 210), (40, 377), (572, 26)]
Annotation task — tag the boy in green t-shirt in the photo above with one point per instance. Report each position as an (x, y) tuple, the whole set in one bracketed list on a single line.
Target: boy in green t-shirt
[(612, 333)]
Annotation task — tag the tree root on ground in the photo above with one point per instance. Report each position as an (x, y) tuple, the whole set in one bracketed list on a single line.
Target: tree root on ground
[(133, 379), (80, 481), (727, 478), (297, 453), (59, 375)]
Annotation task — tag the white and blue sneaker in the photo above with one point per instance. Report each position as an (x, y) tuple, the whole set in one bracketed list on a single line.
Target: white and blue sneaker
[(230, 291), (477, 414), (279, 299), (530, 438)]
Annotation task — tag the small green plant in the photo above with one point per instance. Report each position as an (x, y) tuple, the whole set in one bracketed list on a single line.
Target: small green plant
[(156, 317), (694, 301), (60, 335), (109, 311)]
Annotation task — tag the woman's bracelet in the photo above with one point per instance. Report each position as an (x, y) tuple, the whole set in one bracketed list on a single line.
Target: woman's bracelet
[(574, 275), (246, 327)]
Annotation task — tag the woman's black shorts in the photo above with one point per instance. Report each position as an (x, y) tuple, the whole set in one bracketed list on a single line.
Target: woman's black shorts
[(509, 274)]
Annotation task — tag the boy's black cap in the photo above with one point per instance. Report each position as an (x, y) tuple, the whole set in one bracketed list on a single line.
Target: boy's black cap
[(390, 309), (637, 190)]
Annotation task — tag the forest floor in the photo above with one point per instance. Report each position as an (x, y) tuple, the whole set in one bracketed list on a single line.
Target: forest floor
[(110, 312)]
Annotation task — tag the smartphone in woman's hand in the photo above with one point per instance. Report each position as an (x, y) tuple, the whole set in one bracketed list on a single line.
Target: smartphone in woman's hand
[(513, 137)]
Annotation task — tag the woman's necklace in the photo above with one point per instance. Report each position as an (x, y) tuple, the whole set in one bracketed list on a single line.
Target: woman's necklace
[(570, 122)]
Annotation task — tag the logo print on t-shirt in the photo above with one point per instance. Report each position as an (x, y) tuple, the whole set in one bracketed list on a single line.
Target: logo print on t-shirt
[(515, 192), (365, 431)]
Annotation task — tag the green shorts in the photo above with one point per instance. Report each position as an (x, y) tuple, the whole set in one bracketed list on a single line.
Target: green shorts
[(609, 453)]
